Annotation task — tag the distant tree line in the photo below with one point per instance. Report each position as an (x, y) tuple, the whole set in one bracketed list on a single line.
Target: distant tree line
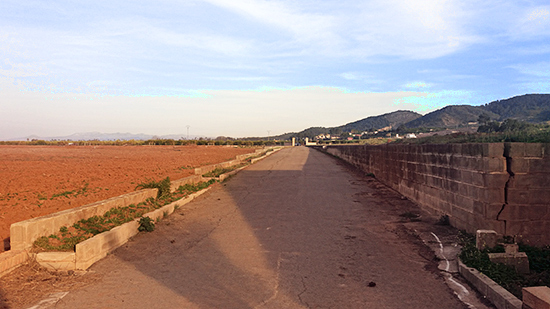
[(151, 142)]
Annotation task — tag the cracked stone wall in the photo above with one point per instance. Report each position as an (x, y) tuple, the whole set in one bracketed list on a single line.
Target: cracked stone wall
[(500, 186)]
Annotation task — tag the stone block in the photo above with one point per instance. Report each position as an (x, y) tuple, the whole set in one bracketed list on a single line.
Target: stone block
[(493, 195), (478, 179), (539, 196), (524, 212), (533, 150), (495, 225), (517, 260), (494, 165), (465, 203), (511, 248), (518, 196), (459, 214), (519, 165), (536, 297), (531, 181), (539, 165), (493, 180), (515, 149), (56, 261), (486, 239), (492, 210), (493, 150)]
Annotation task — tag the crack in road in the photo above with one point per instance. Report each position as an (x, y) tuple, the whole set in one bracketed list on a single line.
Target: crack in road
[(301, 293)]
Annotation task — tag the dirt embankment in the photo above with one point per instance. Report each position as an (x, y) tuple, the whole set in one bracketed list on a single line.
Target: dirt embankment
[(39, 180)]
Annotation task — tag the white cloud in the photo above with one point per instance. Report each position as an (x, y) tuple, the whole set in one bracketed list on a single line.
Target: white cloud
[(532, 22), (417, 85)]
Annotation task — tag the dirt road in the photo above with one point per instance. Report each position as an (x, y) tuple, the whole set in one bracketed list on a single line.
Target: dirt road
[(296, 230)]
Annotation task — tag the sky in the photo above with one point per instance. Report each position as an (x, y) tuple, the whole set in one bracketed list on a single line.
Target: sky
[(245, 68)]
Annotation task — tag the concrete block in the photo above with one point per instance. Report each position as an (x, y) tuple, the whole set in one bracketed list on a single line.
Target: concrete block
[(501, 298), (97, 247), (56, 261), (517, 260), (536, 297), (10, 260), (174, 185), (486, 239), (24, 233)]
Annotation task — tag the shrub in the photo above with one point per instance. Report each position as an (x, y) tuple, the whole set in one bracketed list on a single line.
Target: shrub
[(146, 224)]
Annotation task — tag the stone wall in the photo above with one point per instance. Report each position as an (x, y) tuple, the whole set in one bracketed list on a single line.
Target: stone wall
[(500, 186)]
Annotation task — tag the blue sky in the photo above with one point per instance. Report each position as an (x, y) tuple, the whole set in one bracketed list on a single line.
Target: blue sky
[(245, 67)]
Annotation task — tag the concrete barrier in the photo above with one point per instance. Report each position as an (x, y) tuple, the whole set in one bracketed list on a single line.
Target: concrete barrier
[(500, 297), (96, 248), (205, 169), (12, 259), (24, 233), (240, 159), (174, 185)]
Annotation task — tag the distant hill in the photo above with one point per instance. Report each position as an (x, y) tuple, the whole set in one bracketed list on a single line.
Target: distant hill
[(393, 119), (529, 107), (450, 116)]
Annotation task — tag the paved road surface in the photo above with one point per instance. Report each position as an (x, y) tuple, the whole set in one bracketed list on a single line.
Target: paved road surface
[(296, 230)]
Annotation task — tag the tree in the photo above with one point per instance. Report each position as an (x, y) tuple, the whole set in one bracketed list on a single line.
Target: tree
[(483, 118)]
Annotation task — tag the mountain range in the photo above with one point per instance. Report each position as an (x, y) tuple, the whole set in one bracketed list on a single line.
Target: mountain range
[(532, 108)]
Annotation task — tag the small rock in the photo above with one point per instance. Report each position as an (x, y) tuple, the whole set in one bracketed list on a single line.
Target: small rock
[(372, 284), (172, 241)]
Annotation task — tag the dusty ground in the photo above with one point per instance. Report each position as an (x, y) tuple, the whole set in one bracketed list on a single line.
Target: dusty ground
[(39, 180)]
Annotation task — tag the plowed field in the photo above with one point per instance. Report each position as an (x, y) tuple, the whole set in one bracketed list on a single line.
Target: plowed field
[(39, 180)]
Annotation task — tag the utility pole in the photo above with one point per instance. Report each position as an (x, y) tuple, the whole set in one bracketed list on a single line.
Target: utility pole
[(268, 133), (188, 126)]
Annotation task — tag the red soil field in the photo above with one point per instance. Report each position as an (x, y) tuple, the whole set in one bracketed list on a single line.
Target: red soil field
[(40, 180)]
